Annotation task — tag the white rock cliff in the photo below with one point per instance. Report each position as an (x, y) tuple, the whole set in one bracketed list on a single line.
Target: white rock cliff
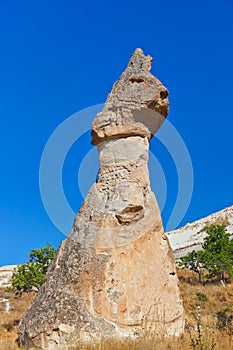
[(190, 237)]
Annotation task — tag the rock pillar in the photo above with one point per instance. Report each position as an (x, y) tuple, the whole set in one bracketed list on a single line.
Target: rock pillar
[(115, 274)]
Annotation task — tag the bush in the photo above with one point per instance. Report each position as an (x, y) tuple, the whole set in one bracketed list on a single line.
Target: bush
[(218, 252), (225, 320), (193, 261), (216, 258), (31, 275), (202, 296)]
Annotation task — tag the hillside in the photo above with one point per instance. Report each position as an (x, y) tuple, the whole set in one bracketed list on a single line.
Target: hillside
[(190, 236)]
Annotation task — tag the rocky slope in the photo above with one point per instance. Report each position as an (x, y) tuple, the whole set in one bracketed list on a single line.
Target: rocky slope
[(190, 237)]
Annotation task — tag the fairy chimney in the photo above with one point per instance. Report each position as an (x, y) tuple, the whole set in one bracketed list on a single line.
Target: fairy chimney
[(115, 274)]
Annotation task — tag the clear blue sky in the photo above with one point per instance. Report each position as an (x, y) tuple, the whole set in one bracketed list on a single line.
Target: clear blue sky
[(58, 57)]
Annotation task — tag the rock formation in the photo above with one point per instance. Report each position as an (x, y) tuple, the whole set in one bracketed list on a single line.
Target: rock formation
[(115, 274), (190, 237), (6, 273)]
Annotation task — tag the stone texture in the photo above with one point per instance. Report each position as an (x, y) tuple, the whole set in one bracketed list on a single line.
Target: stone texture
[(136, 106), (115, 274), (6, 273)]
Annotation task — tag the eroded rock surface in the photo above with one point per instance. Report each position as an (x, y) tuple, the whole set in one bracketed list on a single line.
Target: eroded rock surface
[(115, 274), (6, 273), (136, 106), (191, 236)]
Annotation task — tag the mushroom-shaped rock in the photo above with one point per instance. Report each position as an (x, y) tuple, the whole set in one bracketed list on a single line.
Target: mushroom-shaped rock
[(115, 274)]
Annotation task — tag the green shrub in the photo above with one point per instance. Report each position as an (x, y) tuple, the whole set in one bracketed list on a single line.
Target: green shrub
[(202, 296), (31, 275), (216, 258)]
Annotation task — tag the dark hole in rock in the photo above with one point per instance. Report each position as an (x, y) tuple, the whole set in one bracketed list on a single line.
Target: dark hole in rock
[(136, 80), (163, 94), (56, 329)]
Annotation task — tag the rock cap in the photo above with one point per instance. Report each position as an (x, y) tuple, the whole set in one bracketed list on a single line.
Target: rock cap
[(136, 106)]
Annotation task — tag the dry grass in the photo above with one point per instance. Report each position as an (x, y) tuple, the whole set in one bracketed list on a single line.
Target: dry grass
[(219, 296), (9, 320), (201, 305), (153, 343), (209, 341)]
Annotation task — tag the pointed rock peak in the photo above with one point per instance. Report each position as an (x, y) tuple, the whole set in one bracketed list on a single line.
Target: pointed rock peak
[(136, 106), (139, 51), (139, 62)]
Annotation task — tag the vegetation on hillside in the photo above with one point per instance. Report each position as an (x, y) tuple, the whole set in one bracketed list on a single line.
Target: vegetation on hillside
[(215, 261), (31, 275)]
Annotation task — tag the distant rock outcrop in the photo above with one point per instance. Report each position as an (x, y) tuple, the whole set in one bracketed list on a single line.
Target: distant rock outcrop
[(115, 273), (6, 273), (190, 237)]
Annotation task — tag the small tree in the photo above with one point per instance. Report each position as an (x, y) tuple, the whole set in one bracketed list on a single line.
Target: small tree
[(31, 275), (43, 256), (216, 256), (218, 252), (193, 261)]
